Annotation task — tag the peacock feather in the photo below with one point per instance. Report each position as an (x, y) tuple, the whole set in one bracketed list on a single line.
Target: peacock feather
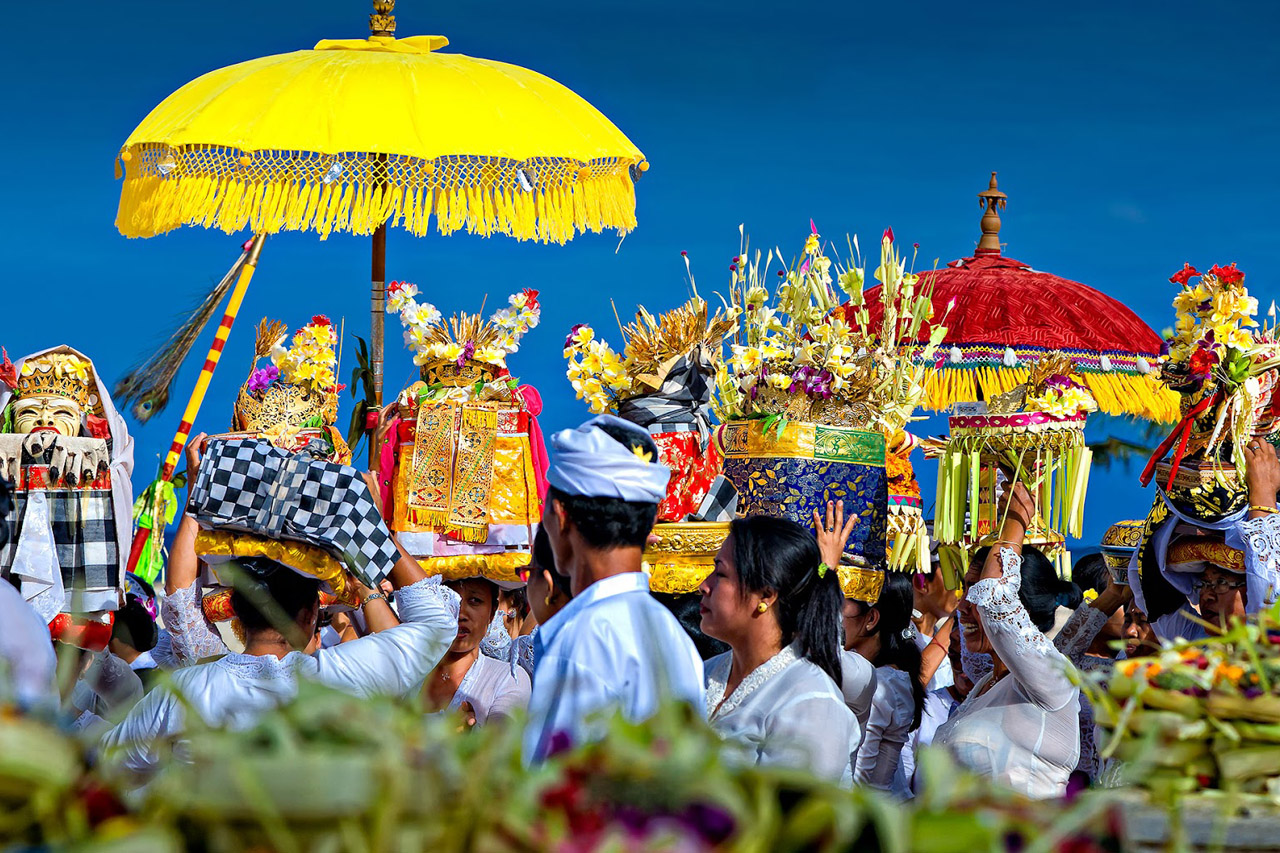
[(147, 385)]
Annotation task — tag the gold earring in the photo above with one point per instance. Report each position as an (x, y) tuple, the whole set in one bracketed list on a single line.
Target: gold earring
[(762, 607), (547, 600)]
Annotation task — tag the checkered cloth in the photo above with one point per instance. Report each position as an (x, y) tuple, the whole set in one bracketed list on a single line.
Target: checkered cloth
[(84, 532), (684, 397), (251, 486), (720, 503)]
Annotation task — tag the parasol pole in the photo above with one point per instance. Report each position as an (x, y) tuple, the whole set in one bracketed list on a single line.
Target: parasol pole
[(211, 360), (381, 23)]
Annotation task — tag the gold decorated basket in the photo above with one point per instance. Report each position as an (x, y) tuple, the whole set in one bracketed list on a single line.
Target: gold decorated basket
[(683, 555)]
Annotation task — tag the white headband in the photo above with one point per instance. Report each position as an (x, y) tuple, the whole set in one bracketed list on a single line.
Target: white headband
[(589, 462)]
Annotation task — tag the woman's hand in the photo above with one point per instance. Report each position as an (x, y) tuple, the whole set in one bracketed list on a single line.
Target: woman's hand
[(195, 449), (385, 418), (833, 532), (1017, 509), (1262, 474)]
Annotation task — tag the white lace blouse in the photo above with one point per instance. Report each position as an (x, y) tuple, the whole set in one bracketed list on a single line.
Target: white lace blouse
[(1024, 730), (236, 689), (494, 689), (892, 713), (786, 712)]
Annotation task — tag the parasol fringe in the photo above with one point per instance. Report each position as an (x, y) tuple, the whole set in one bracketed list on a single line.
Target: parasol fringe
[(1116, 393), (599, 198)]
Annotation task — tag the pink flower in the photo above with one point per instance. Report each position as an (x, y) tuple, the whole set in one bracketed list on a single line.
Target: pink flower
[(888, 235)]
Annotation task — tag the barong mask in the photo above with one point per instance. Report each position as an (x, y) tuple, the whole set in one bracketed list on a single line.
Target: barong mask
[(51, 393)]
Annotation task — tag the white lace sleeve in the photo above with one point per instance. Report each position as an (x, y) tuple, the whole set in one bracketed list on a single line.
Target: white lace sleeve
[(1038, 667), (1078, 634), (192, 636), (976, 665), (426, 595), (1261, 559), (522, 652)]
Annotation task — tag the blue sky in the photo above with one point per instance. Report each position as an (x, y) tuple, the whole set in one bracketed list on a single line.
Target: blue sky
[(1130, 137)]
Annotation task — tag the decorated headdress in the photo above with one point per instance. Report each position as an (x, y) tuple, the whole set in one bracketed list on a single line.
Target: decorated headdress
[(861, 584), (1120, 542), (298, 387), (59, 373), (1193, 554), (814, 392), (466, 350), (1227, 370), (1035, 432)]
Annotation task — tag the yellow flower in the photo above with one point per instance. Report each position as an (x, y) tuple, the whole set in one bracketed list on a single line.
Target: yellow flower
[(811, 245), (746, 359), (780, 381)]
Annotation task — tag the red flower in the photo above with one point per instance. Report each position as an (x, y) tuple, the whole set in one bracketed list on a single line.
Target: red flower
[(1203, 361), (888, 235), (1184, 275), (1228, 274), (531, 299), (321, 320), (8, 373), (394, 286)]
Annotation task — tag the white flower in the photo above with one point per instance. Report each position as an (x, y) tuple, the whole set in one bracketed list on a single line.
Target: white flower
[(1144, 367)]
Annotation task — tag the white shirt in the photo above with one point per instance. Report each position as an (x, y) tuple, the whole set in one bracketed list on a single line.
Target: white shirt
[(786, 712), (27, 660), (1024, 731), (892, 712), (612, 647), (858, 685), (237, 689), (494, 689)]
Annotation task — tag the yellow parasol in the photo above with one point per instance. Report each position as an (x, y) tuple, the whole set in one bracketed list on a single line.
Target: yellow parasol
[(356, 134)]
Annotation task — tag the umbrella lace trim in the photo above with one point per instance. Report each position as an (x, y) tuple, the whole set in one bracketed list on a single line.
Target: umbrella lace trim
[(544, 199)]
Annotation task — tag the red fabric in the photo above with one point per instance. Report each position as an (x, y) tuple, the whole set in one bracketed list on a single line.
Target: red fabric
[(83, 632), (692, 472), (537, 447), (97, 427), (1002, 301)]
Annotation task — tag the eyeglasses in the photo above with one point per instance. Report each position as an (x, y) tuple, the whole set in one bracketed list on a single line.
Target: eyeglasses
[(1222, 585)]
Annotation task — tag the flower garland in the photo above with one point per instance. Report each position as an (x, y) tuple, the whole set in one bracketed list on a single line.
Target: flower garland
[(1062, 397), (1215, 335), (464, 338)]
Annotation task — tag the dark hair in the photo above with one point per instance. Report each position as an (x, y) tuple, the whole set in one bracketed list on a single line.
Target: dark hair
[(519, 599), (687, 608), (897, 642), (1090, 572), (293, 592), (133, 626), (1161, 597), (779, 555), (544, 559), (612, 522), (1042, 591)]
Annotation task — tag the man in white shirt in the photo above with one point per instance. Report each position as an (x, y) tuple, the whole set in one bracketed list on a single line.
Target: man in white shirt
[(613, 647)]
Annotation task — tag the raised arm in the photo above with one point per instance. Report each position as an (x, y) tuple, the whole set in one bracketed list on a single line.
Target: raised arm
[(1260, 528), (1079, 632), (1038, 667)]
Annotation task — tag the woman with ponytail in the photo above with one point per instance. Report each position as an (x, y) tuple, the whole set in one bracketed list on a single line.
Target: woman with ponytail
[(776, 692), (881, 632)]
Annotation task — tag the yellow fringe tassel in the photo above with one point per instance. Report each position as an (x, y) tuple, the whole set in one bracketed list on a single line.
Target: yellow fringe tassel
[(482, 201), (1116, 393)]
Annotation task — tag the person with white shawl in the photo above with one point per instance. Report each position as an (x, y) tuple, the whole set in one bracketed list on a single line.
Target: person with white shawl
[(775, 696), (613, 648)]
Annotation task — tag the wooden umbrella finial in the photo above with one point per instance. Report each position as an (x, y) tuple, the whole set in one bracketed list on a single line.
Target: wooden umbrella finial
[(382, 22), (992, 202)]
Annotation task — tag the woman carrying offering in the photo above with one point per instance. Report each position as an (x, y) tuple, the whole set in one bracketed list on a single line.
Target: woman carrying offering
[(776, 694), (479, 686), (1020, 724)]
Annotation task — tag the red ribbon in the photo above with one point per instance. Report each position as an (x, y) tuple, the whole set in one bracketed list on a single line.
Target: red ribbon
[(1181, 435)]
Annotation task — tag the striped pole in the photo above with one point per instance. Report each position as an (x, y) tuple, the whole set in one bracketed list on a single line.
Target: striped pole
[(211, 361)]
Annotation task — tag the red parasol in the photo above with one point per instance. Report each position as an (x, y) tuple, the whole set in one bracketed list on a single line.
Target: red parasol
[(1007, 315)]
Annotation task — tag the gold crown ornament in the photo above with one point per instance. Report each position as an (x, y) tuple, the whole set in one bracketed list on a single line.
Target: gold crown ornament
[(466, 350), (54, 374), (861, 584), (298, 388)]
